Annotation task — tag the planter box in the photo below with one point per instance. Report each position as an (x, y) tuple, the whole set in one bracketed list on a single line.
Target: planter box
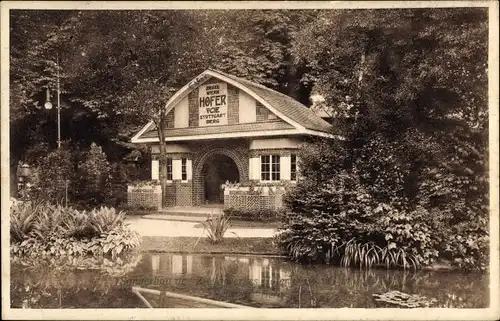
[(148, 196), (263, 198)]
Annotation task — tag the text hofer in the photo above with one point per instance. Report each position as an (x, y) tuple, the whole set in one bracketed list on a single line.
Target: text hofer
[(213, 101)]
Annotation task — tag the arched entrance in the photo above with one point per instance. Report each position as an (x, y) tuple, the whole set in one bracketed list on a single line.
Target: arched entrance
[(216, 170)]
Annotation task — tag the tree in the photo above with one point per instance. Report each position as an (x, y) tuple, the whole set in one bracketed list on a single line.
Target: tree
[(56, 173), (94, 176), (409, 92)]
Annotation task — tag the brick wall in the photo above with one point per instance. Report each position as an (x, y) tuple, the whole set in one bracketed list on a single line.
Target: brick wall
[(233, 114), (169, 121), (192, 193), (144, 197), (264, 114), (183, 193), (236, 149), (245, 200), (170, 195), (193, 108), (232, 104), (275, 151)]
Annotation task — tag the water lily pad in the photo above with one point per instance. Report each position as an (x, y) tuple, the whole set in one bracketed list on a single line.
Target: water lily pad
[(404, 299)]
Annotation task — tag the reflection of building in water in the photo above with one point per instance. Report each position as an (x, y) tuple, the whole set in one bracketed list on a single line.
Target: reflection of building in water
[(172, 264), (269, 279), (182, 264), (265, 275)]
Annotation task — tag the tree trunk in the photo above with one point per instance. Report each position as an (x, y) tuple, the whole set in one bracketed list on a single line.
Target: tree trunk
[(163, 162)]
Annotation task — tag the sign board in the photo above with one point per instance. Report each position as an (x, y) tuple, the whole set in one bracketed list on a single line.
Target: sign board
[(212, 102)]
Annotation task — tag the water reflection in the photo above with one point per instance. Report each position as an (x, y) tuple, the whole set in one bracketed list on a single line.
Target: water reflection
[(243, 280), (271, 282)]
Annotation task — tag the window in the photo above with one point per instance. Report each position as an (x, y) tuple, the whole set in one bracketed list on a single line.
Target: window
[(184, 169), (169, 169), (270, 168), (293, 167)]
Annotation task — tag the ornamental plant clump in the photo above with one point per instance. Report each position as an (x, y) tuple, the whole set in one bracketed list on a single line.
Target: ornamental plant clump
[(340, 223), (54, 230), (215, 227)]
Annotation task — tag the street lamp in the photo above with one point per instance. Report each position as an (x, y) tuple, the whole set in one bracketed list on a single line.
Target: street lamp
[(48, 104)]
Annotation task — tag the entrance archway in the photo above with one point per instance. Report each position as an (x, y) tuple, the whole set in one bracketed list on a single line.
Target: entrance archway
[(216, 170)]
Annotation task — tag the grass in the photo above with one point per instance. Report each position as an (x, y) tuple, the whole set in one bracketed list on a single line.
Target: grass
[(251, 245), (248, 224)]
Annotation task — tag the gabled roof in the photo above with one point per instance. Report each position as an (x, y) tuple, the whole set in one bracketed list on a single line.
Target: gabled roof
[(285, 104), (301, 120)]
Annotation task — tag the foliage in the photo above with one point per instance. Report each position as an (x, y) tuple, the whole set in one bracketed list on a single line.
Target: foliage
[(404, 299), (45, 230), (93, 177), (340, 222), (410, 100), (256, 215), (22, 220), (56, 172), (145, 183), (215, 227), (37, 281)]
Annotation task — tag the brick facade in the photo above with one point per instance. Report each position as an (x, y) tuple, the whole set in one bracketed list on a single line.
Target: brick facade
[(214, 155), (194, 112), (169, 121), (272, 151), (237, 150), (144, 197), (183, 192), (233, 114), (232, 104), (252, 200), (264, 114)]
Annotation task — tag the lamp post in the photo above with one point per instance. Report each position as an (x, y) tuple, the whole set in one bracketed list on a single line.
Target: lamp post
[(48, 104)]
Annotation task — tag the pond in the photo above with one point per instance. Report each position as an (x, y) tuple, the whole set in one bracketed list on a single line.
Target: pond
[(162, 280)]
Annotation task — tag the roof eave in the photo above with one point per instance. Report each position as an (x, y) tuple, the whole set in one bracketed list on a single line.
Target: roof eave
[(282, 132)]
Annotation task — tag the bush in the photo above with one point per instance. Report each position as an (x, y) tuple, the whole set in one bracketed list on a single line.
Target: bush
[(339, 222), (215, 227), (93, 177), (259, 215), (46, 229), (22, 220), (56, 172)]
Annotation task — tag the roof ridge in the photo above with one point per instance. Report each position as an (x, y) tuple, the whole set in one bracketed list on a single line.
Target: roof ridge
[(249, 81)]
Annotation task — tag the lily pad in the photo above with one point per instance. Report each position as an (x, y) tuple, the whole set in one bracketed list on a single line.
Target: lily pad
[(406, 300)]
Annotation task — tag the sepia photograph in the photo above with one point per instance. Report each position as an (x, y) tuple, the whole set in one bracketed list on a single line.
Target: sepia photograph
[(252, 160)]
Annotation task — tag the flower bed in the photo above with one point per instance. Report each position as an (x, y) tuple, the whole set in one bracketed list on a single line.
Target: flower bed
[(39, 230)]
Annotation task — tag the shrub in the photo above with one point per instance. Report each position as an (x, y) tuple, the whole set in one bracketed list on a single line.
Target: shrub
[(94, 176), (215, 227), (256, 215), (22, 220), (46, 229), (54, 172), (105, 219), (339, 222)]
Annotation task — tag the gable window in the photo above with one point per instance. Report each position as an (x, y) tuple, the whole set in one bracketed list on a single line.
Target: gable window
[(270, 167), (169, 169), (184, 169), (293, 167)]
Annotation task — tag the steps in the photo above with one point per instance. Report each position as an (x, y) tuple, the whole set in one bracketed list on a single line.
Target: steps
[(185, 214)]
